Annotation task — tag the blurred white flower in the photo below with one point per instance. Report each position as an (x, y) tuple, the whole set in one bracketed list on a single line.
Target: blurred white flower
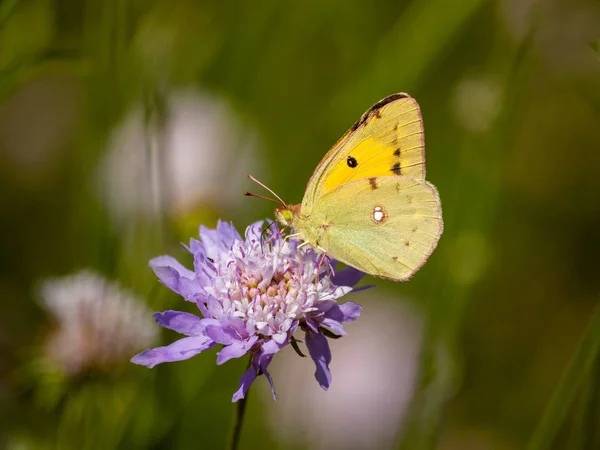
[(199, 156), (375, 369), (98, 323), (477, 103), (519, 15)]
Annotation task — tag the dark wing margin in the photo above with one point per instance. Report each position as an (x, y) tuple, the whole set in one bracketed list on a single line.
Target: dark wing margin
[(374, 110)]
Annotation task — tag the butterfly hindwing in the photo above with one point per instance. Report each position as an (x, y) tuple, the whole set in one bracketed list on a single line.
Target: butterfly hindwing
[(386, 226), (387, 140)]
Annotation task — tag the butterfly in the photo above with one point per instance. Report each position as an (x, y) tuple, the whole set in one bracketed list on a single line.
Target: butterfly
[(367, 203)]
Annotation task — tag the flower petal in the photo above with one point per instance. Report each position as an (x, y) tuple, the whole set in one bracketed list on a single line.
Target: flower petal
[(293, 327), (177, 351), (265, 360), (325, 305), (228, 233), (334, 326), (347, 312), (311, 325), (227, 330), (182, 322), (280, 338), (254, 231), (214, 307), (340, 291), (219, 240), (245, 382), (363, 288), (235, 324), (235, 350), (271, 347), (259, 365), (348, 276), (200, 300), (221, 335), (174, 276), (318, 347)]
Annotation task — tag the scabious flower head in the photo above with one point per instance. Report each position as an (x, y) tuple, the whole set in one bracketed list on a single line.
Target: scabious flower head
[(98, 322), (253, 294)]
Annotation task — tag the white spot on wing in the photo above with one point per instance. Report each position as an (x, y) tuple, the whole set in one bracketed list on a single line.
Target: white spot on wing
[(379, 214)]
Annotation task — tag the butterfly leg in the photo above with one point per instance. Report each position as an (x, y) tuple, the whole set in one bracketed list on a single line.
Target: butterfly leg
[(304, 244), (321, 261), (291, 236), (322, 258)]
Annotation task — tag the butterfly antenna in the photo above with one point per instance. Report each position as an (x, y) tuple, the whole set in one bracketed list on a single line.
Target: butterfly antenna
[(268, 227), (264, 231), (250, 194), (268, 189)]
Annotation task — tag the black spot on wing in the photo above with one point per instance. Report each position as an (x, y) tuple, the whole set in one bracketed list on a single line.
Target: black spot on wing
[(397, 169), (397, 152), (395, 258), (373, 182), (407, 244), (374, 110), (352, 162)]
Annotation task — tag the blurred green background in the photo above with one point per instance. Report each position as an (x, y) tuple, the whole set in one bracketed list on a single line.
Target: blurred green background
[(124, 124)]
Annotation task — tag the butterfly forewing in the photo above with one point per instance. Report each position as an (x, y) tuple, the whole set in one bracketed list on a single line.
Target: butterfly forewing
[(386, 140)]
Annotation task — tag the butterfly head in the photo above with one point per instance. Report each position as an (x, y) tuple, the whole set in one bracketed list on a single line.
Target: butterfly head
[(285, 214)]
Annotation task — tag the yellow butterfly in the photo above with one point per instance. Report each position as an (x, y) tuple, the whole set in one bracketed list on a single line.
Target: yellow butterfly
[(367, 204)]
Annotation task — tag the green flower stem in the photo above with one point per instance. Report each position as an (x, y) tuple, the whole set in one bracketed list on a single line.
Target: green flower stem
[(240, 410), (238, 421), (577, 372)]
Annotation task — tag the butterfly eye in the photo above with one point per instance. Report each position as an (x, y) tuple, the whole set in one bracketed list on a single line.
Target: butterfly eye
[(352, 162)]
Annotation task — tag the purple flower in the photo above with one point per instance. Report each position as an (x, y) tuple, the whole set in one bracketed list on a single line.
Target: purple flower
[(253, 294)]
